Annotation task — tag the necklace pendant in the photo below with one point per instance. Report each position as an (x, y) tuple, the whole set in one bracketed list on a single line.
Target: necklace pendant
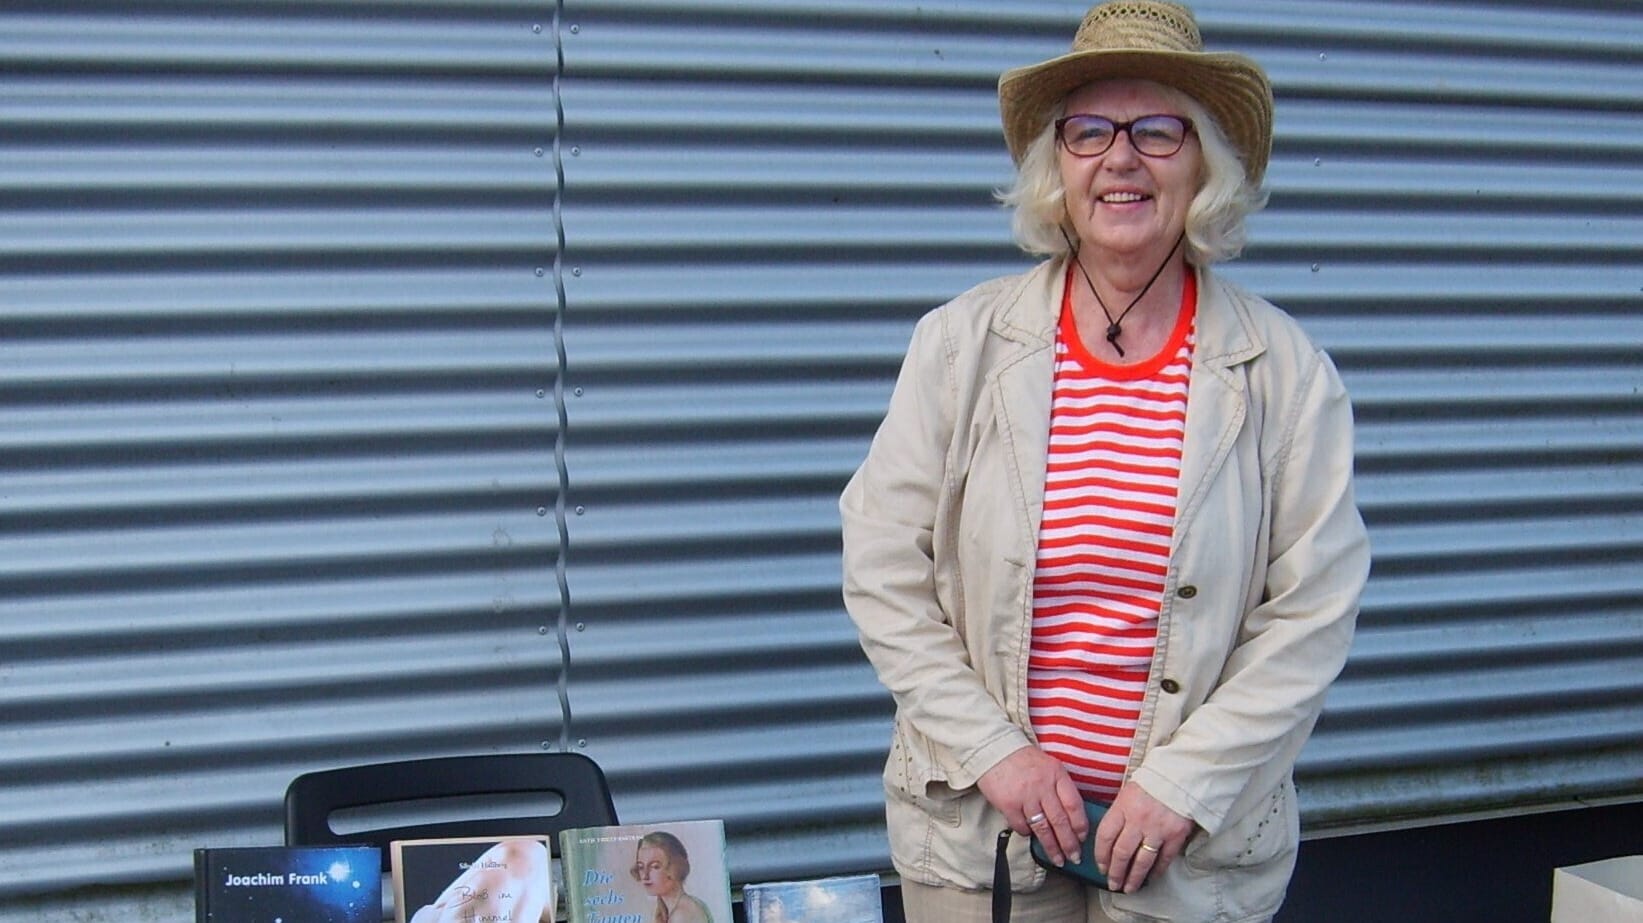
[(1113, 332)]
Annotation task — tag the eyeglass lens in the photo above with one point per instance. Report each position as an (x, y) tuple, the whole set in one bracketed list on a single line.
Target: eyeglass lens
[(1153, 135)]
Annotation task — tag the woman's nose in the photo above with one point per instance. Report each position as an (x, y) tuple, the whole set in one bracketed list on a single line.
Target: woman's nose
[(1122, 152)]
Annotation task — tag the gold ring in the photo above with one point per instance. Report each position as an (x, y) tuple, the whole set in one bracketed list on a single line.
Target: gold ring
[(1149, 847)]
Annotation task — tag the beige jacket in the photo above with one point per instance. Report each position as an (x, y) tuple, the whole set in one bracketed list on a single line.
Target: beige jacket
[(1267, 562)]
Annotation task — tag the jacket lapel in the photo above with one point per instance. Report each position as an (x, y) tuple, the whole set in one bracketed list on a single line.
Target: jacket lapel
[(1217, 398), (1022, 378)]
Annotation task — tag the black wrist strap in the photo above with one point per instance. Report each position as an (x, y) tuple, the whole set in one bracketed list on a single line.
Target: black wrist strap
[(1001, 879)]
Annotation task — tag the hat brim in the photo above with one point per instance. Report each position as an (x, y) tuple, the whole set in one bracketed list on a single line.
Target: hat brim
[(1230, 86)]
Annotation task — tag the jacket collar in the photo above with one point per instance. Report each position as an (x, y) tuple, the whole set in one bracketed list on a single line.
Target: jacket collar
[(1032, 308), (1226, 334)]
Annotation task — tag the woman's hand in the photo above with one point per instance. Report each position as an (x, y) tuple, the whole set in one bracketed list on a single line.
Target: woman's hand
[(1037, 797), (1138, 836)]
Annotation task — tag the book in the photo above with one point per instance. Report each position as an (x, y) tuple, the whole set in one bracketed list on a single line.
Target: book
[(839, 899), (271, 884), (646, 873), (473, 880)]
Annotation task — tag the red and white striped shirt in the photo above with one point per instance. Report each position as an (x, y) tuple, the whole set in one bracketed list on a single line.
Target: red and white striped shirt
[(1103, 548)]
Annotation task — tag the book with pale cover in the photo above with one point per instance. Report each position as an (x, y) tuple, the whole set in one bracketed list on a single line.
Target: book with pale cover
[(646, 873), (839, 899), (473, 880)]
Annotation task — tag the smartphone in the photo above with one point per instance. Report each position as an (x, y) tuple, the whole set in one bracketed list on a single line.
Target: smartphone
[(1082, 868)]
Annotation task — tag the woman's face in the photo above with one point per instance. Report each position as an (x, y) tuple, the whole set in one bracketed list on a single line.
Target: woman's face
[(1122, 203), (656, 872)]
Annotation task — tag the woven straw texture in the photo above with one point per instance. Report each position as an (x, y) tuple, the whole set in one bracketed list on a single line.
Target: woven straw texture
[(1147, 40)]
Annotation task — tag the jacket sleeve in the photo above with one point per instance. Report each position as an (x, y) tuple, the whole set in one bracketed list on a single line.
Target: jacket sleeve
[(1293, 643), (890, 510)]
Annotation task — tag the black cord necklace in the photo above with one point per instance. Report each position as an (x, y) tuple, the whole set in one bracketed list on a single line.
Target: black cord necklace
[(1115, 325)]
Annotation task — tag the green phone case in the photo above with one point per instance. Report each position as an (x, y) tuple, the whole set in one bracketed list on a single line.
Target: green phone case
[(1084, 868)]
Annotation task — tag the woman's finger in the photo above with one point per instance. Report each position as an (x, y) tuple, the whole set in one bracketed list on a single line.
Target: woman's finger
[(1060, 840), (1120, 860), (1041, 828), (1072, 801), (1142, 861)]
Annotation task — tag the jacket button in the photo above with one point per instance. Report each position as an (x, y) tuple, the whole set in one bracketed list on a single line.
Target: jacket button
[(1170, 686), (1187, 592)]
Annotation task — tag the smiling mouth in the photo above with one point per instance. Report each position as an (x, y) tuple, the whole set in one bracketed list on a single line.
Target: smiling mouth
[(1123, 198)]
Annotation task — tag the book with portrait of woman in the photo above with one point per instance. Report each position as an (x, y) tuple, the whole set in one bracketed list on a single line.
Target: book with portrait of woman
[(646, 873)]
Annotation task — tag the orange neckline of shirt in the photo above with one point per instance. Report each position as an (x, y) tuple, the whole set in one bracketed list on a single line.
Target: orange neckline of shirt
[(1178, 336)]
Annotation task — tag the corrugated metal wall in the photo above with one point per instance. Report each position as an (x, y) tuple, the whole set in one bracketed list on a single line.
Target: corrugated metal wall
[(277, 418), (287, 333)]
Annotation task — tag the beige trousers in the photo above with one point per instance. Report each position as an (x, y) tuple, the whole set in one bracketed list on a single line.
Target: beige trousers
[(1061, 900)]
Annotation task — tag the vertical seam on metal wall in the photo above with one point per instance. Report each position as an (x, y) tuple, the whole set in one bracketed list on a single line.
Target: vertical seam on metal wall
[(563, 686)]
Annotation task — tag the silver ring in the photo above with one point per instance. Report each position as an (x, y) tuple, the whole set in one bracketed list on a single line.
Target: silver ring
[(1149, 847), (1036, 819)]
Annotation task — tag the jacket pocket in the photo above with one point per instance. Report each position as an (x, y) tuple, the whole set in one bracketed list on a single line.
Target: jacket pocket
[(912, 775), (1266, 833)]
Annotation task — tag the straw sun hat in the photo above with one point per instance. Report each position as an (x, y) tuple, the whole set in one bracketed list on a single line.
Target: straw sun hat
[(1146, 40)]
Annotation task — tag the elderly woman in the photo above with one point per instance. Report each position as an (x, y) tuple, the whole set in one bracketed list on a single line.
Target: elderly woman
[(1104, 546)]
